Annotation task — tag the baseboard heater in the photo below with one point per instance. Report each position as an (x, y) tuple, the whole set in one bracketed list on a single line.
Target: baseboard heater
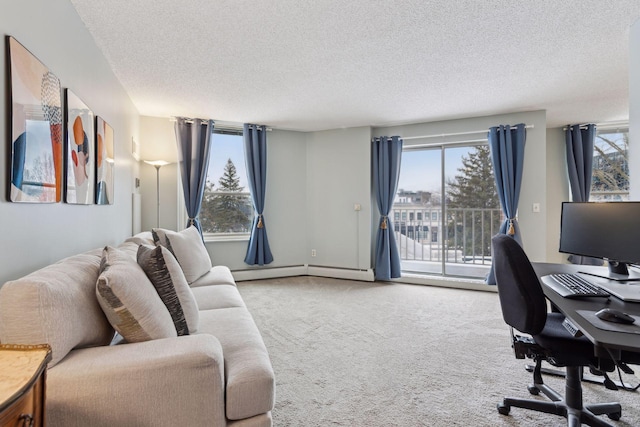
[(303, 270)]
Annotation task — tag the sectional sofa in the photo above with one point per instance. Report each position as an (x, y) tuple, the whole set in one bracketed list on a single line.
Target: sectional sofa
[(128, 353)]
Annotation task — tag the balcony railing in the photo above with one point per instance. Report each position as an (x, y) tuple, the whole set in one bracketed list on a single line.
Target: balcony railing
[(464, 237)]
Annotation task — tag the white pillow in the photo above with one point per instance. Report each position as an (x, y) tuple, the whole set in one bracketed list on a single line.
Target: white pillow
[(188, 248), (165, 273), (129, 299)]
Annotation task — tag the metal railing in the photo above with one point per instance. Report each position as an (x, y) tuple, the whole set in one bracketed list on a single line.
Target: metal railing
[(463, 237)]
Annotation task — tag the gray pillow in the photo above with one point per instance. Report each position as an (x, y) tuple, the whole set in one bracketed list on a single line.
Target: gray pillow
[(188, 248), (165, 273), (129, 299)]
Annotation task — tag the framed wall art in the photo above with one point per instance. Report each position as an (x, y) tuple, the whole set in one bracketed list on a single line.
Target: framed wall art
[(105, 161), (36, 129), (80, 152)]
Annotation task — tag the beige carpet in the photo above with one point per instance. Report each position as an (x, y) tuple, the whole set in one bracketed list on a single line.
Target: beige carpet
[(349, 353)]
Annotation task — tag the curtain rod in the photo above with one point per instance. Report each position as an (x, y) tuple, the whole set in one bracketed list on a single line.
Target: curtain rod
[(220, 124), (606, 125), (442, 135), (439, 144)]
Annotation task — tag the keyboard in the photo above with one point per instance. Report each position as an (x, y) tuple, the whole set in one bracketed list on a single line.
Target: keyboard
[(574, 286)]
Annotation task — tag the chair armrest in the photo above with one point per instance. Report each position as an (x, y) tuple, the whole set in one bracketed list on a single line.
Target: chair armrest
[(172, 381)]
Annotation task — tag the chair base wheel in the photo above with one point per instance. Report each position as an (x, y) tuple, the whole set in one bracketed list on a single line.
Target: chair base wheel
[(615, 416), (503, 409), (533, 390)]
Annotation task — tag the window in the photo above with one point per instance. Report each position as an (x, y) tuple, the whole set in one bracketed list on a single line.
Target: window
[(226, 206), (460, 205), (396, 216), (410, 216), (610, 180)]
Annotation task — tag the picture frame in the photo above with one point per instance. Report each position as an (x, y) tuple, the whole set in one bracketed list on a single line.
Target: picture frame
[(80, 162), (36, 169), (105, 162)]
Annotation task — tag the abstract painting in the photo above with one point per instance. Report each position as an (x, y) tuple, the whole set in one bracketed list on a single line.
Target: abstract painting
[(104, 162), (36, 129), (80, 157)]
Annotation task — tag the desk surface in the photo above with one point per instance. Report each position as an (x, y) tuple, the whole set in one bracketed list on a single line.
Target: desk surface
[(569, 307)]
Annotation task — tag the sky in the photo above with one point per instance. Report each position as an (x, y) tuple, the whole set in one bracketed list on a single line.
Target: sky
[(420, 169), (226, 147)]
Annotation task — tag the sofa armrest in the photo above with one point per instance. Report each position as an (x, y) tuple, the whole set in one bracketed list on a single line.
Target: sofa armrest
[(172, 381)]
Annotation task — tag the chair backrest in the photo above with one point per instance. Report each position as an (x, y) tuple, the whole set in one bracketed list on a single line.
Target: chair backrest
[(521, 297)]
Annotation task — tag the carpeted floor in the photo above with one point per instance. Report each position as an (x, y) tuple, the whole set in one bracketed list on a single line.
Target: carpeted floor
[(348, 353)]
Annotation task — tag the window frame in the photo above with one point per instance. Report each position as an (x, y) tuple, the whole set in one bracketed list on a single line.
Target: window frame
[(182, 210)]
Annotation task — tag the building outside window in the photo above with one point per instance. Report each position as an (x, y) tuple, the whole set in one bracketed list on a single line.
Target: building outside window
[(227, 209), (610, 180)]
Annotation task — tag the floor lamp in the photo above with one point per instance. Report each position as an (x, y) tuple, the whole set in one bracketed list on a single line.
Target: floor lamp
[(157, 164)]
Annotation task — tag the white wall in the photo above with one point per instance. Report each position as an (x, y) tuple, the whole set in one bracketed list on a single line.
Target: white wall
[(313, 182), (284, 212), (557, 191), (535, 184), (158, 142), (338, 177), (285, 207), (34, 235), (634, 110)]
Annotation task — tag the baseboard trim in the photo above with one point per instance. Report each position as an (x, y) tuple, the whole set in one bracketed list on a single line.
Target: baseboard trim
[(303, 270), (341, 273), (353, 274), (269, 273)]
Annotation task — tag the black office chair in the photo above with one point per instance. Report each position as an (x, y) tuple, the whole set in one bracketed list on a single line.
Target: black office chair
[(524, 308)]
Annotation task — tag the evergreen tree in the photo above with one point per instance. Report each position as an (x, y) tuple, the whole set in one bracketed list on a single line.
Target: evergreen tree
[(470, 197), (474, 186), (206, 216), (230, 212)]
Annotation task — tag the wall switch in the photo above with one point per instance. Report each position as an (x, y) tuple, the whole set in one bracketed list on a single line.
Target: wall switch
[(357, 207), (536, 207), (313, 252)]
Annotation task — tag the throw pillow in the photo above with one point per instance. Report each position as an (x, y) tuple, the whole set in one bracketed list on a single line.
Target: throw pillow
[(165, 273), (188, 248), (129, 299)]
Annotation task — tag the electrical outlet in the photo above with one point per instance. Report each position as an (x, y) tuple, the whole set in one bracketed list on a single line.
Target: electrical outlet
[(313, 252), (536, 207)]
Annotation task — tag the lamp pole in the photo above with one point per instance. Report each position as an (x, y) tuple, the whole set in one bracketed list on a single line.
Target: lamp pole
[(157, 164)]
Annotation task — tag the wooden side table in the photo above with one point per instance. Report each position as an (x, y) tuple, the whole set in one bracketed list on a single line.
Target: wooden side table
[(23, 371)]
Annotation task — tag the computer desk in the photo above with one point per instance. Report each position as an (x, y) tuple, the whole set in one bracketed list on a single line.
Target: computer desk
[(606, 343)]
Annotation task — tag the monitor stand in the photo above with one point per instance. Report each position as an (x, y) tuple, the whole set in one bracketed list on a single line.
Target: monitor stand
[(618, 272)]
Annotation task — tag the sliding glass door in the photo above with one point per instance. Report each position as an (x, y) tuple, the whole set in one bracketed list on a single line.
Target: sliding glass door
[(446, 210)]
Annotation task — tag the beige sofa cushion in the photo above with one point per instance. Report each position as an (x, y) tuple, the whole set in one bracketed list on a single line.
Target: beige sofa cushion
[(143, 238), (188, 248), (220, 296), (130, 300), (166, 275), (250, 377), (56, 305), (218, 275)]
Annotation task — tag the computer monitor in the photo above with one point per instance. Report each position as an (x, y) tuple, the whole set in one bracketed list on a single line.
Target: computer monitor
[(607, 230)]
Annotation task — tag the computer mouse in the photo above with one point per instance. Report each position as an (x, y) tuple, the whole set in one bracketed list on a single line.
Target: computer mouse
[(613, 315)]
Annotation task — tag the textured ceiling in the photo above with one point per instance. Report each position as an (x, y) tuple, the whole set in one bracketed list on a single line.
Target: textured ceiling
[(325, 64)]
